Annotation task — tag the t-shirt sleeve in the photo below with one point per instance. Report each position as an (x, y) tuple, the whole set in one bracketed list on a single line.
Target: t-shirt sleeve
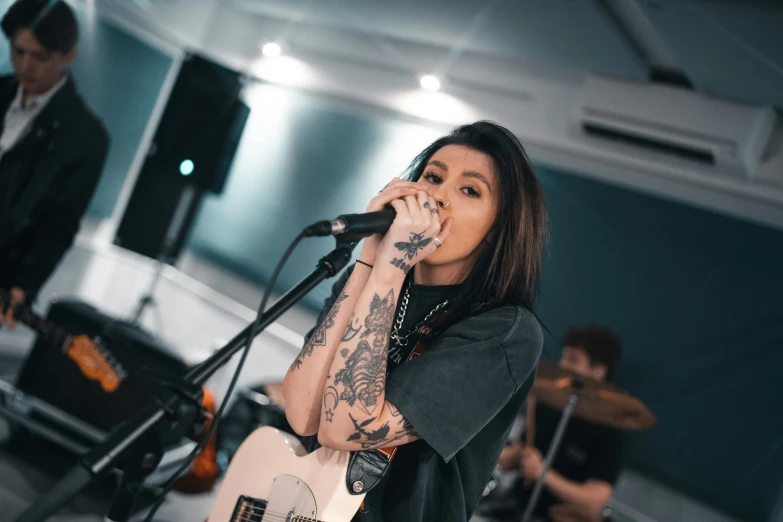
[(469, 373), (606, 459)]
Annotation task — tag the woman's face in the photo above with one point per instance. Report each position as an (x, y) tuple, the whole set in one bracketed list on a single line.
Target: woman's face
[(465, 185)]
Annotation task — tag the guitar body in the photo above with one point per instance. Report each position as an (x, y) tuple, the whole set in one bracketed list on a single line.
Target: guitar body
[(271, 478)]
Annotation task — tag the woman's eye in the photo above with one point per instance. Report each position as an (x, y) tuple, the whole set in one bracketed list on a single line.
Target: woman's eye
[(471, 192), (432, 178)]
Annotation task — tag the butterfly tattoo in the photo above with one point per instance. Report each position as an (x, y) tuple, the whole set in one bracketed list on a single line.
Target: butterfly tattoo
[(417, 242)]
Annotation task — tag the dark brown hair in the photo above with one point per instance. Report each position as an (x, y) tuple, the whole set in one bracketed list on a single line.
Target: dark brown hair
[(601, 345), (51, 21), (508, 267)]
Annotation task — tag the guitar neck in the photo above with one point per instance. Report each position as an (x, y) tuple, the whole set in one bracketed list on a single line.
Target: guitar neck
[(46, 329)]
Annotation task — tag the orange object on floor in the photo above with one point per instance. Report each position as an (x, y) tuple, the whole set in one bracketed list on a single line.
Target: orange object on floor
[(204, 470)]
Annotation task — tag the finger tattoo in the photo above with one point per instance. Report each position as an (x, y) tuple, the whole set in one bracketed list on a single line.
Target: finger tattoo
[(432, 209)]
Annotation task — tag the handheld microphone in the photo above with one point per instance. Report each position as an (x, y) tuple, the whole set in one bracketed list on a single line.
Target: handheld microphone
[(353, 227)]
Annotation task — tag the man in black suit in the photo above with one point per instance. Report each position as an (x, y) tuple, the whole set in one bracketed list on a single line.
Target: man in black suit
[(52, 149)]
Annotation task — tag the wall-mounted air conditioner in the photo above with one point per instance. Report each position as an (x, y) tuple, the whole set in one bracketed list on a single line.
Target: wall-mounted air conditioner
[(673, 124)]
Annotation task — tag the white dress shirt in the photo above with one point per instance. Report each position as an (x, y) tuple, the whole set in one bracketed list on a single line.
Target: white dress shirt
[(18, 119)]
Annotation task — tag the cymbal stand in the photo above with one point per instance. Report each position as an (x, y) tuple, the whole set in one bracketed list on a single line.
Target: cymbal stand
[(550, 455)]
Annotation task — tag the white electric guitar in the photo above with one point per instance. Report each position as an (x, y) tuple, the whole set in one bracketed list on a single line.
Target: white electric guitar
[(272, 479)]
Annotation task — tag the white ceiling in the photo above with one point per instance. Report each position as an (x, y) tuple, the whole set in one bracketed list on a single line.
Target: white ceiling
[(522, 62), (728, 48)]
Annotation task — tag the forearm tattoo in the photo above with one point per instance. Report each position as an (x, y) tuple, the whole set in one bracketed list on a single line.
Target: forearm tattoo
[(384, 435), (319, 336), (352, 330), (402, 265), (364, 374), (409, 250), (361, 382)]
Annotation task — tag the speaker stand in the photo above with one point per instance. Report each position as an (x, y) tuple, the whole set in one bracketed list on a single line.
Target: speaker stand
[(189, 193)]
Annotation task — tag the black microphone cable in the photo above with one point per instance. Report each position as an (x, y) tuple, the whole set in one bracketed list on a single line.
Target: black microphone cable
[(245, 350)]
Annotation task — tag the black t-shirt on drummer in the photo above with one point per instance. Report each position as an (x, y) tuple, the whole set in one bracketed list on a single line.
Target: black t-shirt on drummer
[(461, 397), (588, 451)]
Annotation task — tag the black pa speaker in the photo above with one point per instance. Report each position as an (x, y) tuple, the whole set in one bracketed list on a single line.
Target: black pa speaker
[(191, 154)]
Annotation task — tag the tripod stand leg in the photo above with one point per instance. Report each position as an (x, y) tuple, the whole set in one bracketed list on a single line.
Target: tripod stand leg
[(550, 456), (140, 461), (184, 205), (124, 498)]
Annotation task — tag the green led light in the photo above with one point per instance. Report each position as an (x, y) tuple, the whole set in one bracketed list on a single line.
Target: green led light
[(186, 168)]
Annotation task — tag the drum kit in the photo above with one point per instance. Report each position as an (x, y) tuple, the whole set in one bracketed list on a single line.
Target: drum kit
[(588, 399)]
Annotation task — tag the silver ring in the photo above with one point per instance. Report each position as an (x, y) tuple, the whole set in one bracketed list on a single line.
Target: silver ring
[(438, 244)]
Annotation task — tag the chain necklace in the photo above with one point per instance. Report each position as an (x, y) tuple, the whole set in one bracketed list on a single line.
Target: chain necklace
[(402, 340)]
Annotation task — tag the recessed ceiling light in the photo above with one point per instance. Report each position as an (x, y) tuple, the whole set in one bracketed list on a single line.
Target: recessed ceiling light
[(429, 83), (271, 50)]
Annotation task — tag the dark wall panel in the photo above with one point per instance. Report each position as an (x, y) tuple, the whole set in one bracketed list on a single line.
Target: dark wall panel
[(698, 301)]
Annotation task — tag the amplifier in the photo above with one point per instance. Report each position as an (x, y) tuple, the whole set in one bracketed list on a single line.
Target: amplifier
[(60, 393)]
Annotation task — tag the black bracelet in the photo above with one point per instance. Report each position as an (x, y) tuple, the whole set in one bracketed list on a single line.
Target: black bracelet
[(365, 264)]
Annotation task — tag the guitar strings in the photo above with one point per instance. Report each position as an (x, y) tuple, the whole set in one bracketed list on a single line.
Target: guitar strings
[(271, 515), (249, 514)]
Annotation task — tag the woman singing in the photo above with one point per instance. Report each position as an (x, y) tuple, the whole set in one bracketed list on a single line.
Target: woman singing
[(458, 271)]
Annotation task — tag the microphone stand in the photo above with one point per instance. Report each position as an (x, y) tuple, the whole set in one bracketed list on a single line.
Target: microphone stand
[(137, 444)]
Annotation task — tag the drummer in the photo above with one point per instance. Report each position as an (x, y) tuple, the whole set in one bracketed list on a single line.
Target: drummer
[(588, 462)]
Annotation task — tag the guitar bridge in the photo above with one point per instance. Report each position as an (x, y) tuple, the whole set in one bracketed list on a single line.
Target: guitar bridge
[(248, 508), (289, 500)]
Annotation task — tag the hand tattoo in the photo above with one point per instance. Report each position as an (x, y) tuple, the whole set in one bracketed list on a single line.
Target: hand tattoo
[(319, 336), (417, 242)]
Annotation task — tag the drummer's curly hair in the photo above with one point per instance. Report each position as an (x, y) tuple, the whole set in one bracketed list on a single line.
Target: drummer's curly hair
[(601, 344)]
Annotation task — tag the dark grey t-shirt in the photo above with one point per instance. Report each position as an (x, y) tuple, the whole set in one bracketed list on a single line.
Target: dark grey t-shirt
[(461, 397)]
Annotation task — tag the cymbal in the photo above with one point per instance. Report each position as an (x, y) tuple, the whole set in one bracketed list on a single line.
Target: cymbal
[(568, 513), (599, 402)]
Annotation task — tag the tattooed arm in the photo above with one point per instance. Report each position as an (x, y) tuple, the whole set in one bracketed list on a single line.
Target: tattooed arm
[(389, 429), (305, 380), (354, 411)]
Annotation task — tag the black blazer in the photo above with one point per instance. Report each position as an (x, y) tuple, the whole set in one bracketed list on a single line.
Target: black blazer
[(46, 182)]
